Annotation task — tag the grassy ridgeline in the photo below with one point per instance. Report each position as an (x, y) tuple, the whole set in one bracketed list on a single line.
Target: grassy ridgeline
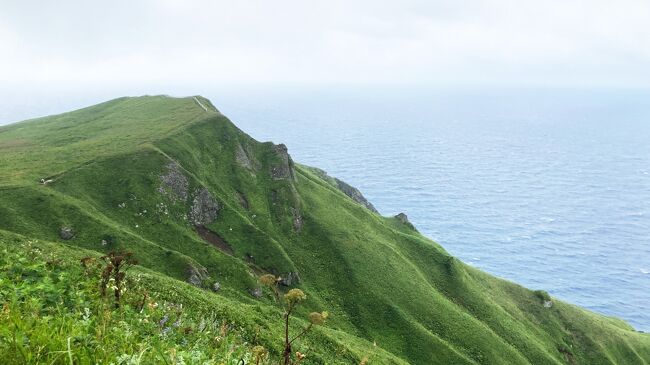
[(110, 165)]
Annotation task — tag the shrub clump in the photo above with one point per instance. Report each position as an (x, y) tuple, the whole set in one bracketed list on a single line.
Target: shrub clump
[(542, 295)]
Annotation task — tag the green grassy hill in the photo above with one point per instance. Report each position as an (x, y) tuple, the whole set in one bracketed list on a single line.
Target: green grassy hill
[(198, 201)]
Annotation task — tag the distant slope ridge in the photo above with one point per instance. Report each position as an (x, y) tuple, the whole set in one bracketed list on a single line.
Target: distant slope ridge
[(165, 177), (47, 146)]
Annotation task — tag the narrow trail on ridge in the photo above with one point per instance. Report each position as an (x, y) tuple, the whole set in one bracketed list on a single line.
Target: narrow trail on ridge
[(201, 105)]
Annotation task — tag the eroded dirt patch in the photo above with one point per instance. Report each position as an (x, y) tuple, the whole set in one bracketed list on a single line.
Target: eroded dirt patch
[(214, 239)]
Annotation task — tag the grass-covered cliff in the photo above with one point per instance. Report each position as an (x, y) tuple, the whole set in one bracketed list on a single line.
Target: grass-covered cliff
[(203, 206)]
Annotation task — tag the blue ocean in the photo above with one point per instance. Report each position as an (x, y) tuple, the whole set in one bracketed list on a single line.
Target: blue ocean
[(550, 189), (546, 188)]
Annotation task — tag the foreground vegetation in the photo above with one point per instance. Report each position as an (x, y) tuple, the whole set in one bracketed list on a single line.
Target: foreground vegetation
[(207, 212), (53, 312)]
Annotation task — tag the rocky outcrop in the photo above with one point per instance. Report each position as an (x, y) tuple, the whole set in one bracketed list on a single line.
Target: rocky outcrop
[(66, 233), (548, 303), (289, 279), (405, 220), (174, 183), (347, 189), (297, 219), (402, 217), (284, 168), (204, 208), (355, 194), (196, 276), (256, 292), (245, 158)]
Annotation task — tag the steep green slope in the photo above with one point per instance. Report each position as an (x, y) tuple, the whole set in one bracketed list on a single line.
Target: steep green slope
[(198, 200)]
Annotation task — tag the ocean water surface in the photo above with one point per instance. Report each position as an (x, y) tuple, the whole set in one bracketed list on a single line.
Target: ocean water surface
[(547, 188), (550, 189)]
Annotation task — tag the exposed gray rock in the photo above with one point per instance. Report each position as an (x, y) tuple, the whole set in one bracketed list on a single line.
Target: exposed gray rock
[(347, 189), (175, 182), (195, 276), (256, 292), (548, 303), (284, 169), (290, 279), (355, 194), (216, 286), (204, 208), (402, 217), (404, 220), (244, 158), (297, 219), (66, 233)]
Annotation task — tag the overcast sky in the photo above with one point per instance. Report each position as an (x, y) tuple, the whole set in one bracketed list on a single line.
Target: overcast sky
[(453, 42)]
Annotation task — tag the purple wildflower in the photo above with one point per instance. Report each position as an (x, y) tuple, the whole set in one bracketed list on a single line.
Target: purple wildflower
[(163, 320)]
